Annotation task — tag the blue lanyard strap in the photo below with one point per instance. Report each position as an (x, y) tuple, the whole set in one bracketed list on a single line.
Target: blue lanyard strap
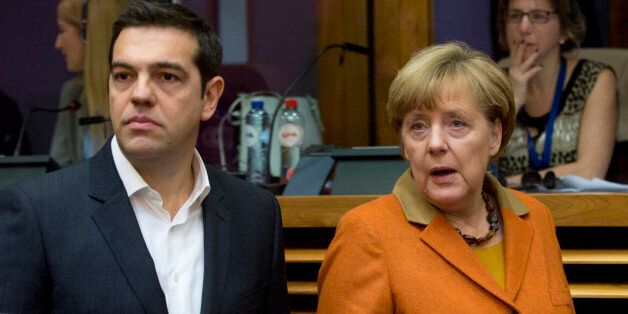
[(549, 130)]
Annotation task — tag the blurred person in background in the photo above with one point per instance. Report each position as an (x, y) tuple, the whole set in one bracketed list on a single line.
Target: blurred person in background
[(566, 106), (85, 28)]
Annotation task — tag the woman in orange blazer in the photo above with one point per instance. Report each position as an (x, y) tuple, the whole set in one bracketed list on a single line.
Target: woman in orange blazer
[(449, 238)]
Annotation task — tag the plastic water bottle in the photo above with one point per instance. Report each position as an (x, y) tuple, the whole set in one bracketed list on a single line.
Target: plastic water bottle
[(257, 136), (291, 128)]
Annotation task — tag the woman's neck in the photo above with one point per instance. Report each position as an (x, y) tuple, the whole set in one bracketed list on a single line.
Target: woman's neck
[(471, 219), (542, 86)]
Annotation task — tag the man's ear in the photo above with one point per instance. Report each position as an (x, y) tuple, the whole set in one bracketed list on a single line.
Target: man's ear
[(213, 91), (496, 137)]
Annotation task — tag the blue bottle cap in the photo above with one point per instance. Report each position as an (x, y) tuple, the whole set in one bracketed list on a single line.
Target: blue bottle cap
[(257, 104)]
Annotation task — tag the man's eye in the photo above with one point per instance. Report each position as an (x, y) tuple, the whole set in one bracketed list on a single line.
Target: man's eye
[(121, 76), (169, 77)]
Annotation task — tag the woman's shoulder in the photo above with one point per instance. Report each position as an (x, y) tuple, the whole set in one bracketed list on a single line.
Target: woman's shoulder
[(71, 90), (590, 68), (536, 209), (383, 208)]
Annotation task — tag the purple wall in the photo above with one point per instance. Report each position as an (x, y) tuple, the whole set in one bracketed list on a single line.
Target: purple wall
[(464, 20), (32, 70), (199, 7), (284, 41)]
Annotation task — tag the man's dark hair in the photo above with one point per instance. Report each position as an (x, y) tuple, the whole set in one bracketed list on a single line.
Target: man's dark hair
[(169, 15)]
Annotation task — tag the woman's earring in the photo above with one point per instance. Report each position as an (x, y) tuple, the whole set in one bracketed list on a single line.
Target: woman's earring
[(561, 41)]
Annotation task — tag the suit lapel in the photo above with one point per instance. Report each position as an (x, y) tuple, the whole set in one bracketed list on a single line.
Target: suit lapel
[(445, 240), (118, 225), (217, 245), (518, 243)]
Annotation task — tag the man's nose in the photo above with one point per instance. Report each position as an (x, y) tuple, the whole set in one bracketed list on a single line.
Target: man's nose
[(143, 91)]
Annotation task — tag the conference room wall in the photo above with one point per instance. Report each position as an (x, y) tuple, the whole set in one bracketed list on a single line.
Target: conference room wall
[(33, 71)]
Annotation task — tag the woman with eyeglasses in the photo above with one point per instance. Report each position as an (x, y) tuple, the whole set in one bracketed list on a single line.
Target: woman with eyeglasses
[(566, 106), (449, 238), (83, 40)]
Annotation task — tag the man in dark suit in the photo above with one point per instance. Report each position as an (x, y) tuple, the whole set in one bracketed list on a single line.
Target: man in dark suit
[(144, 226)]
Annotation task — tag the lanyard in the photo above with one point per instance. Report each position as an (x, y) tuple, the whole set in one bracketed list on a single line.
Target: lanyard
[(549, 130)]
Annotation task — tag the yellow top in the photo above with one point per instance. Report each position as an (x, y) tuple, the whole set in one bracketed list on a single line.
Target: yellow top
[(493, 258)]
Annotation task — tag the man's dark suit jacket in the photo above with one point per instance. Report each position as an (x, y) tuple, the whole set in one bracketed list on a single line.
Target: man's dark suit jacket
[(70, 242)]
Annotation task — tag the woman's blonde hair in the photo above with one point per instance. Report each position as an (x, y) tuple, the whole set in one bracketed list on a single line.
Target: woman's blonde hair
[(101, 14), (69, 11), (419, 82)]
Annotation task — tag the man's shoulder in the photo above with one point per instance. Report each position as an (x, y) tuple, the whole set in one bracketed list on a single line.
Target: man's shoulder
[(55, 182)]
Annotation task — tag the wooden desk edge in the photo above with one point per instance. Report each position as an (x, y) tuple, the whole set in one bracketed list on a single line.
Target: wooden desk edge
[(568, 209)]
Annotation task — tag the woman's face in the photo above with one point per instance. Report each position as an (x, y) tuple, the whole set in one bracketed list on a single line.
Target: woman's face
[(449, 148), (69, 43), (544, 37)]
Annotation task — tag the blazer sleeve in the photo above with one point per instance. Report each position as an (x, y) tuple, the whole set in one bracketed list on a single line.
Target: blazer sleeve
[(277, 298), (24, 282), (354, 276)]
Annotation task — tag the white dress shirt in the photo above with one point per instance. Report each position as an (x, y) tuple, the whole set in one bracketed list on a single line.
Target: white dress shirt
[(176, 245)]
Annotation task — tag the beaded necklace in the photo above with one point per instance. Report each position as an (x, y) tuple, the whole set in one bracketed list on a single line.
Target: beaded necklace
[(492, 219)]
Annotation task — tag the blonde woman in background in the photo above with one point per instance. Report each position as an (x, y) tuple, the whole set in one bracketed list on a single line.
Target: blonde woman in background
[(83, 40)]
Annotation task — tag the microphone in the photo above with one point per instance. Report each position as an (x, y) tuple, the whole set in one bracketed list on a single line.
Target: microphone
[(346, 46), (356, 48), (72, 106), (92, 120)]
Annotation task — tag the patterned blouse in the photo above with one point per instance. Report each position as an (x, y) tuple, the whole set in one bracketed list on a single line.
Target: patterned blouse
[(565, 138)]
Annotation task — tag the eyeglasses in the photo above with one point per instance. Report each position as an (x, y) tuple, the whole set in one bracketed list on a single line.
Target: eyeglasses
[(535, 16)]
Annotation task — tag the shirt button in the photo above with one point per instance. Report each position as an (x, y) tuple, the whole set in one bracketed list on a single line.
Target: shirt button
[(175, 277)]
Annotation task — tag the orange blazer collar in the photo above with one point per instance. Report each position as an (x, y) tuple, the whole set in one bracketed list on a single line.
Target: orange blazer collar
[(440, 235), (418, 210)]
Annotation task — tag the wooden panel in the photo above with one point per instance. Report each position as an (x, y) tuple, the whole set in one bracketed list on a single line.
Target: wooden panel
[(342, 89), (305, 255), (618, 28), (401, 27), (578, 290), (567, 209), (587, 257), (317, 211), (302, 287), (570, 256), (585, 210), (599, 290)]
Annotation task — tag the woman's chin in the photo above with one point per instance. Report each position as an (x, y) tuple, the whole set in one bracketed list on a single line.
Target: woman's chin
[(445, 198)]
